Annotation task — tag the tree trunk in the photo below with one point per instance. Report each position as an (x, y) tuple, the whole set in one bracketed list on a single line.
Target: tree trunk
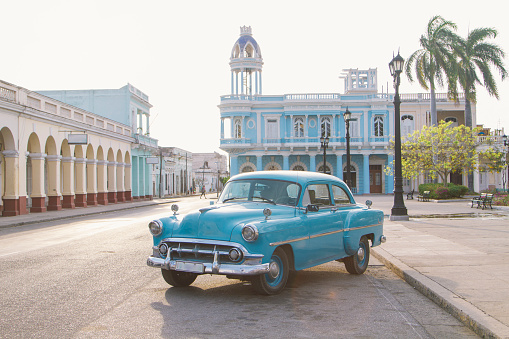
[(468, 123), (468, 112), (433, 106)]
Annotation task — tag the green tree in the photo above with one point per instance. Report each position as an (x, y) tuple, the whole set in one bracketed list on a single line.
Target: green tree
[(478, 55), (441, 150), (436, 60), (494, 159)]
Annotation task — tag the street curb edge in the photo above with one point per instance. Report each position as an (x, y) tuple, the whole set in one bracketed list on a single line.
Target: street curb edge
[(477, 320)]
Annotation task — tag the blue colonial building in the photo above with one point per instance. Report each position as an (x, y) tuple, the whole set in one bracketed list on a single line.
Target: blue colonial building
[(272, 132)]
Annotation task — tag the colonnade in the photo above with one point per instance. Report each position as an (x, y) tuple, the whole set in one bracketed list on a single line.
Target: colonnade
[(36, 180)]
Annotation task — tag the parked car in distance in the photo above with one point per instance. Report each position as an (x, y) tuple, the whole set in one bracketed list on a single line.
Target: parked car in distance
[(265, 226)]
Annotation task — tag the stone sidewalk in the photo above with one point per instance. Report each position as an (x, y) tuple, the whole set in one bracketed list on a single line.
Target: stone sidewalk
[(456, 255)]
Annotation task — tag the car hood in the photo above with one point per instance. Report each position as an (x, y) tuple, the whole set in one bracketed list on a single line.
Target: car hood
[(217, 221)]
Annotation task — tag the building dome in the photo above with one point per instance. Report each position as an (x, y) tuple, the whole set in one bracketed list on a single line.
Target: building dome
[(246, 64), (246, 46)]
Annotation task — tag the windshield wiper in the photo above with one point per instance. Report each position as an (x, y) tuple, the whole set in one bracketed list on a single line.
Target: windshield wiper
[(225, 200), (265, 199)]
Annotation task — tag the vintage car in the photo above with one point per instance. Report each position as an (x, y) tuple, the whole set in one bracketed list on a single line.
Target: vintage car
[(265, 226)]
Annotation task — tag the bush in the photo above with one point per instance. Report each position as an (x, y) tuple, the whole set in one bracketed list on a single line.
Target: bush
[(439, 191), (442, 192), (501, 199), (457, 191)]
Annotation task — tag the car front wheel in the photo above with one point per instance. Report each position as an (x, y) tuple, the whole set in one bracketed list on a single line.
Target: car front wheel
[(358, 263), (178, 279), (275, 280)]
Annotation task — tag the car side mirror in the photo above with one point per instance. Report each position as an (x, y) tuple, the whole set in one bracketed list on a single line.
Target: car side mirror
[(312, 208), (369, 203)]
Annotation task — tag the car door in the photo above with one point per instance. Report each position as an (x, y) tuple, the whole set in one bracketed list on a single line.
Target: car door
[(322, 225), (342, 206)]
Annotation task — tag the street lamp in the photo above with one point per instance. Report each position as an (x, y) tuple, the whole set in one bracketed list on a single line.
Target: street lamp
[(347, 116), (324, 143), (506, 143), (398, 211)]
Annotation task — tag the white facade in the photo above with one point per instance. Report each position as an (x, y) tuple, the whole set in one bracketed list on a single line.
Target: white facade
[(208, 169)]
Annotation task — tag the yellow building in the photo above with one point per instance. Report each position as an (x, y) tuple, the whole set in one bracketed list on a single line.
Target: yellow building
[(54, 155)]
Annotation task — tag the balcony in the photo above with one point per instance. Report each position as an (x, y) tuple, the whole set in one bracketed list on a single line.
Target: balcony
[(145, 140), (235, 142)]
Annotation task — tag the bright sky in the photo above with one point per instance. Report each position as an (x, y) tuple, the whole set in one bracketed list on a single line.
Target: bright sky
[(177, 52)]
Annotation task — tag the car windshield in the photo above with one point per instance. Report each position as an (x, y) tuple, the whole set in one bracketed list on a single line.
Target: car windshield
[(261, 190)]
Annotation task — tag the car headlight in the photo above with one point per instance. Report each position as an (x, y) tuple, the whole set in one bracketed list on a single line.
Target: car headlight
[(156, 227), (249, 233)]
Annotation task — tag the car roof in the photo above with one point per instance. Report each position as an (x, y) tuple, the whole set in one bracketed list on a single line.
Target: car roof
[(300, 177)]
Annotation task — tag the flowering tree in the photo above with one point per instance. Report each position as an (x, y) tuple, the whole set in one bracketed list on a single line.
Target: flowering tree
[(494, 160), (441, 150)]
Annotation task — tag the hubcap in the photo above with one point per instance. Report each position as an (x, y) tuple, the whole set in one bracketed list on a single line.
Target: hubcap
[(273, 270), (360, 254)]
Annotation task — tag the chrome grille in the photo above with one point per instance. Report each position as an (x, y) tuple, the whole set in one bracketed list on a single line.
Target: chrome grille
[(201, 252)]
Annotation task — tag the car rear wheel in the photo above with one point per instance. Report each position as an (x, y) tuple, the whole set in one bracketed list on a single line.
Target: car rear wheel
[(358, 263), (178, 279), (274, 281)]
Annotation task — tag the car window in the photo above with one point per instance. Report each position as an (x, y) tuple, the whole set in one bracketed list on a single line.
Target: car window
[(340, 196), (237, 189), (317, 194), (261, 190)]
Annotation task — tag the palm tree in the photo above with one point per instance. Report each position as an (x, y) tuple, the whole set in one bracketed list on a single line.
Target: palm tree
[(435, 61), (477, 54)]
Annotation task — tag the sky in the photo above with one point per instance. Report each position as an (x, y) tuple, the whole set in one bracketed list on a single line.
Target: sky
[(178, 52)]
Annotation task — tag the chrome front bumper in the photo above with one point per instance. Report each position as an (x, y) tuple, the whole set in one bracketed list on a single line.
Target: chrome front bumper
[(212, 268)]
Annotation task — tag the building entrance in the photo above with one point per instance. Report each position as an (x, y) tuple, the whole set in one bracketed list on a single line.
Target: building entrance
[(375, 178)]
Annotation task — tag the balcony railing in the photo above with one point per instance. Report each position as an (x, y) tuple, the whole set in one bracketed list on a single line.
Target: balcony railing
[(60, 111), (145, 140), (236, 141), (427, 97)]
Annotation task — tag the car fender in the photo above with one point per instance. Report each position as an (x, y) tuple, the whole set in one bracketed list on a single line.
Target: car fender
[(359, 223)]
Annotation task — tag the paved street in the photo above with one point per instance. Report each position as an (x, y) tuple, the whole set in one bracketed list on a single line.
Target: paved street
[(86, 277)]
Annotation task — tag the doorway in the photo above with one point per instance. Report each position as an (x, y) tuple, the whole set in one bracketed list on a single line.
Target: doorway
[(375, 178)]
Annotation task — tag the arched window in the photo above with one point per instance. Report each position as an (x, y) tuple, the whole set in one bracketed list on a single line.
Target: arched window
[(237, 131), (326, 127), (298, 127), (379, 126), (298, 168), (247, 169), (327, 169), (407, 125), (249, 51)]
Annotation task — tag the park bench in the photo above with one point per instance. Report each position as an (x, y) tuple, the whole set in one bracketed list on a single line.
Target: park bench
[(410, 195), (488, 199), (478, 200), (424, 196), (483, 201)]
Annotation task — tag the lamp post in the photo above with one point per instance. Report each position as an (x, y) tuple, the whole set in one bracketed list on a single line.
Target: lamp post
[(506, 143), (324, 143), (347, 116), (398, 211)]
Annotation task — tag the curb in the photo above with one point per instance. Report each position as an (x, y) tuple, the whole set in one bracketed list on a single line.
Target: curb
[(21, 223), (477, 320)]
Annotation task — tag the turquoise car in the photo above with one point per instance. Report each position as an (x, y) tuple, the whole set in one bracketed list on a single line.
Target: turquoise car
[(265, 226)]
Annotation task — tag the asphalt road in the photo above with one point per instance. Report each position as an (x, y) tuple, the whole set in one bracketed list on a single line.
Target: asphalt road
[(87, 278)]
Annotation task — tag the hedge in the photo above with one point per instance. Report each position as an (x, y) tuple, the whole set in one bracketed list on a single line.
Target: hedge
[(439, 191)]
